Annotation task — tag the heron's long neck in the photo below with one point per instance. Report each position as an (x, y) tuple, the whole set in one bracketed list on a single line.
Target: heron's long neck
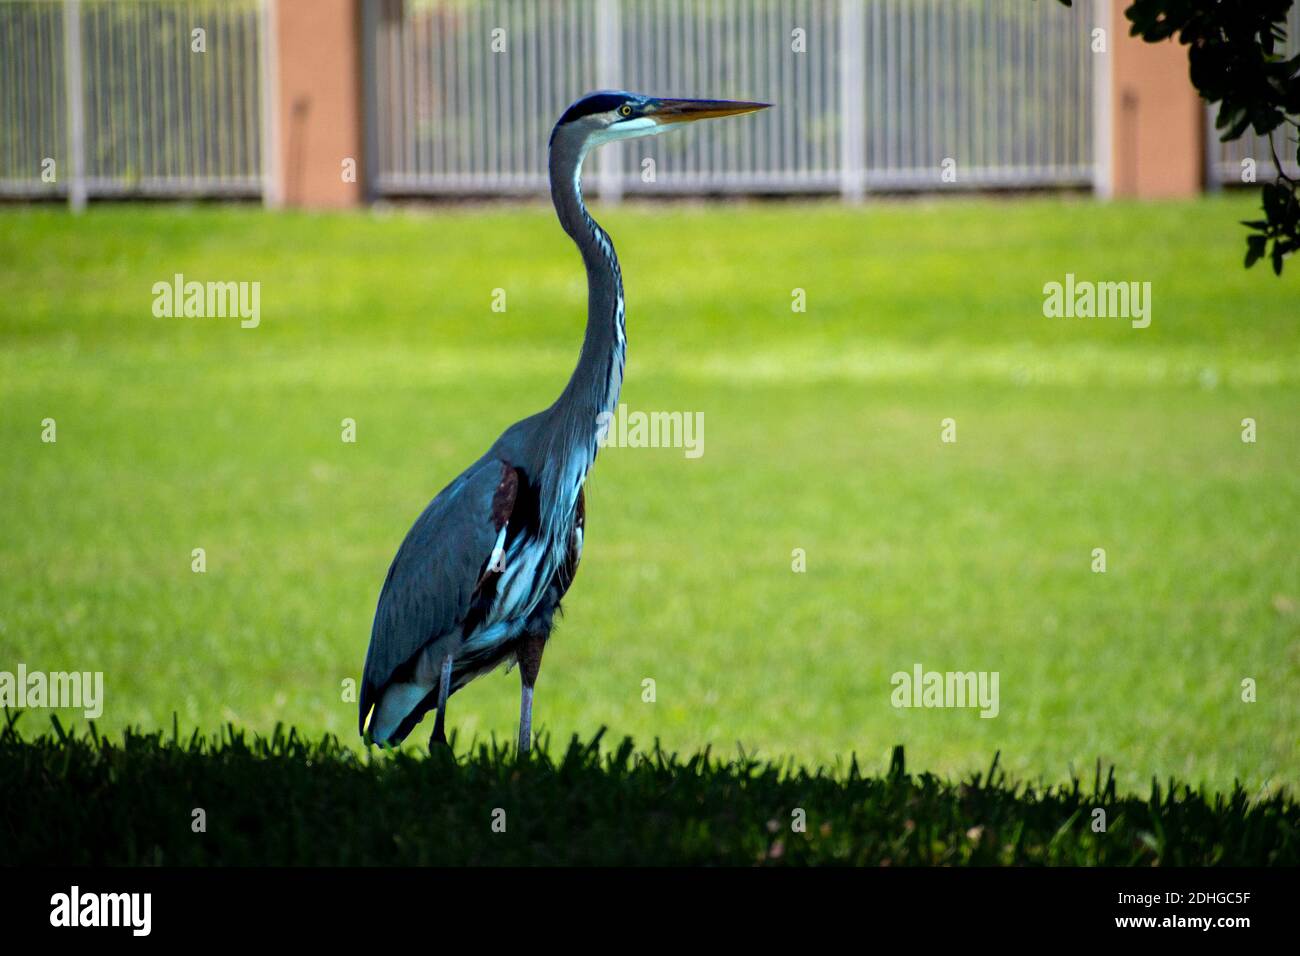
[(593, 389)]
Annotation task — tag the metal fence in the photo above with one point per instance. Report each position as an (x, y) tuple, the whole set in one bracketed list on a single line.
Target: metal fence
[(1223, 166), (101, 98), (110, 97), (871, 94)]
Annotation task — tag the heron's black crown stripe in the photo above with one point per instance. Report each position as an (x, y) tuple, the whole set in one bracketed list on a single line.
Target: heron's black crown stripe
[(601, 102)]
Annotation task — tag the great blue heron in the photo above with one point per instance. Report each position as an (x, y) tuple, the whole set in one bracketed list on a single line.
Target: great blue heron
[(480, 575)]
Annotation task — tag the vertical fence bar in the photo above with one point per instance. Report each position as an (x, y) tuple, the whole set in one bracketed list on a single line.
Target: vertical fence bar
[(1103, 182), (272, 163), (75, 105), (853, 127), (609, 70), (369, 160)]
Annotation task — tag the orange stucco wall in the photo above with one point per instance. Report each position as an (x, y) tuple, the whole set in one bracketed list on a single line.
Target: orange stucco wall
[(317, 121), (1157, 119)]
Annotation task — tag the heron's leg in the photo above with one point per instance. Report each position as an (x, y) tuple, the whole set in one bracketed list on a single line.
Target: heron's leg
[(444, 686), (525, 719), (530, 662)]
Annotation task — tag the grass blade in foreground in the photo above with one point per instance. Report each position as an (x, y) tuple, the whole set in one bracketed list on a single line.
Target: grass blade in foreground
[(283, 800)]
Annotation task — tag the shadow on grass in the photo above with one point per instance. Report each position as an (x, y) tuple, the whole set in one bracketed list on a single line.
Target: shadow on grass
[(283, 800)]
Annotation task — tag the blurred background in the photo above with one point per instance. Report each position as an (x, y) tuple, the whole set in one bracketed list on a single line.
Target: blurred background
[(378, 168)]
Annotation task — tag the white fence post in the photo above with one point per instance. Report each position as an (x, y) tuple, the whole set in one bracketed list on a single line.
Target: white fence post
[(853, 74), (369, 98), (73, 94), (1103, 181), (609, 70), (269, 81)]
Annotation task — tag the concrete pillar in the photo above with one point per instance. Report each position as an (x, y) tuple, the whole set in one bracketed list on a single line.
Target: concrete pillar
[(313, 79), (1157, 120)]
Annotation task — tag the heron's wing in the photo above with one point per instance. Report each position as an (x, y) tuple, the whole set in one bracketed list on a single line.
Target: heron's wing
[(432, 580), (574, 555)]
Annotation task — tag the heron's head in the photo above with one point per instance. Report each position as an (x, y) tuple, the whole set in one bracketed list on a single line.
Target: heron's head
[(611, 115)]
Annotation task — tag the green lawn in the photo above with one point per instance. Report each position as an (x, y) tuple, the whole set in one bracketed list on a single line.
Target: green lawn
[(822, 433)]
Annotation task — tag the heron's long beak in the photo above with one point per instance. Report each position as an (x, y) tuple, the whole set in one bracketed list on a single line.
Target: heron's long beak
[(685, 111)]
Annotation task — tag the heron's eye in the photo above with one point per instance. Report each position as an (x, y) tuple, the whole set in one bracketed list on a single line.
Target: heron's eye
[(625, 110)]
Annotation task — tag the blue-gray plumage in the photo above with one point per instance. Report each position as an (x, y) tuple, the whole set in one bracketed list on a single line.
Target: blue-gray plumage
[(479, 578)]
